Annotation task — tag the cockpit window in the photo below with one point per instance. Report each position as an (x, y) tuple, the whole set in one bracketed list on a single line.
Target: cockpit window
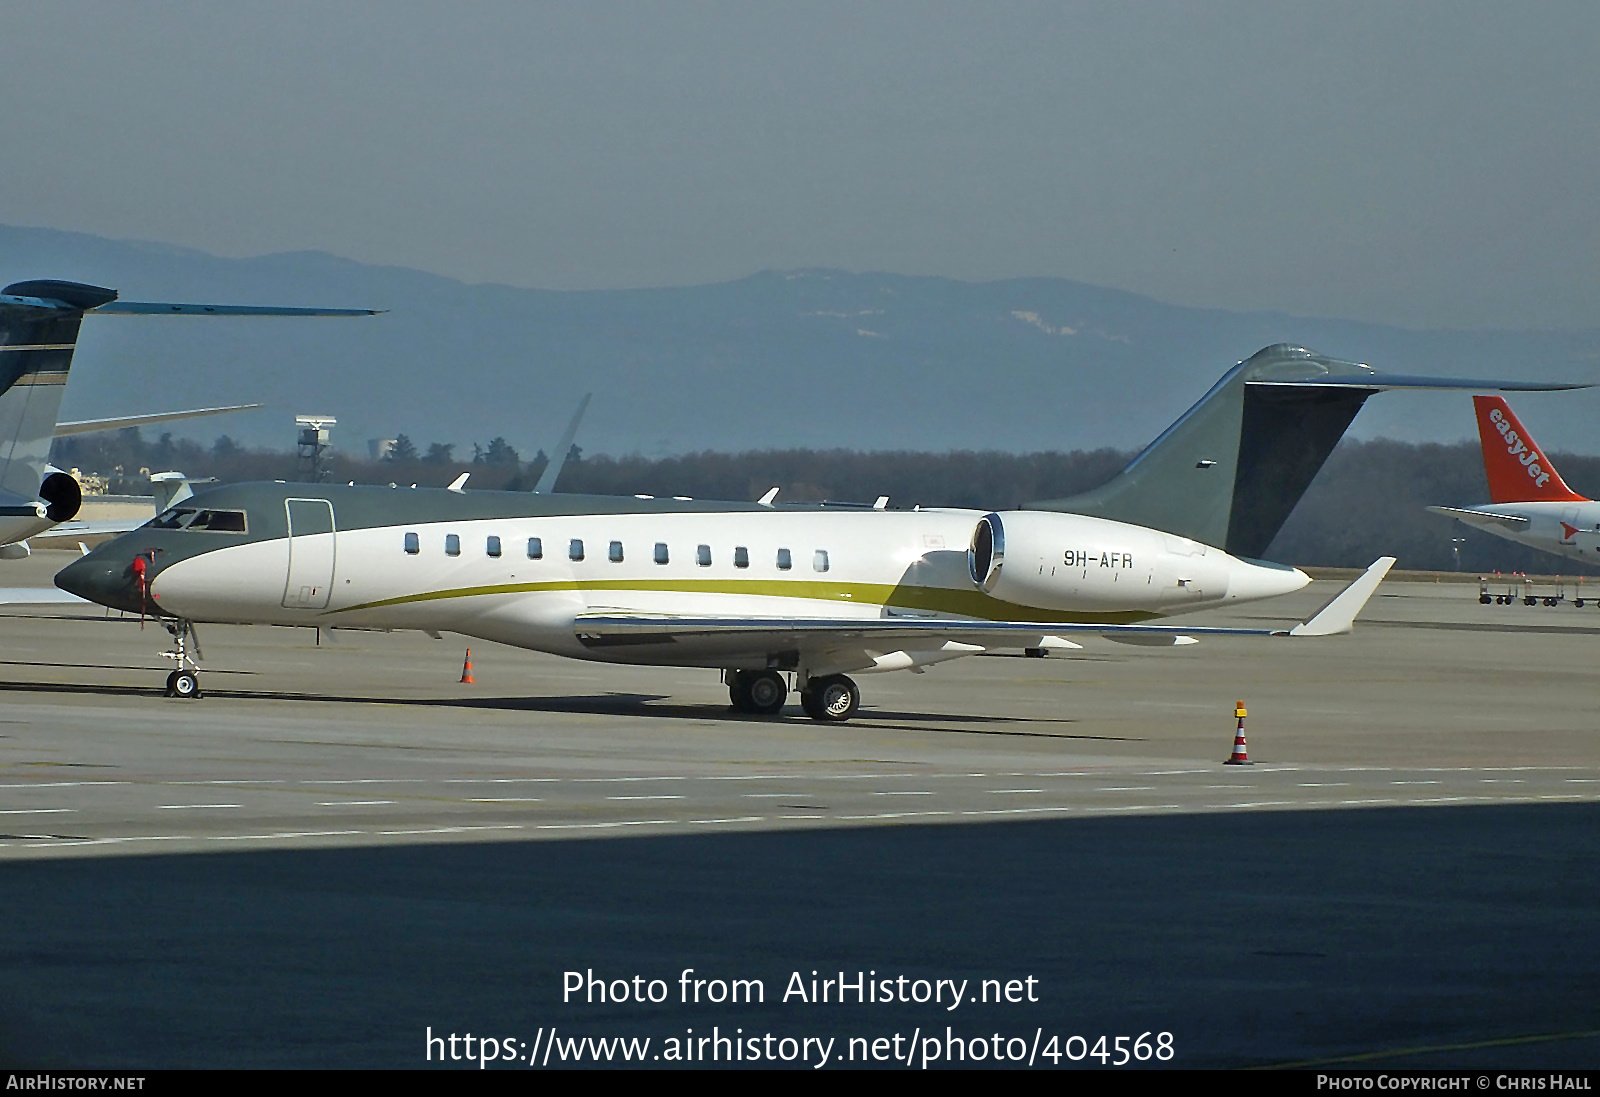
[(216, 521), (174, 518), (221, 521)]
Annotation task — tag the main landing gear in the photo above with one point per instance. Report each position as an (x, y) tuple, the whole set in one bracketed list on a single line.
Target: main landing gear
[(832, 699), (184, 681)]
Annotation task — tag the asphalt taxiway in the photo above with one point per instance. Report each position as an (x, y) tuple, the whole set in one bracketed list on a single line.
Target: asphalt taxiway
[(341, 845)]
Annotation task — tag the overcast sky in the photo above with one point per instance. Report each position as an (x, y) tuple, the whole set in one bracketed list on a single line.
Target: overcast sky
[(1420, 163)]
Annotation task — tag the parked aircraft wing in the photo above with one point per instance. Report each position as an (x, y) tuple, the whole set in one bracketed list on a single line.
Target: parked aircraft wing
[(32, 596), (602, 630)]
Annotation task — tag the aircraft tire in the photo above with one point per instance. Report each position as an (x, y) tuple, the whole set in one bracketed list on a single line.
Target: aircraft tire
[(764, 692), (185, 685), (833, 699)]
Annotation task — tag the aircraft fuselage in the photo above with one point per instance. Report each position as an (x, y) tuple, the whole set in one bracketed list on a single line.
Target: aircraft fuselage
[(521, 569)]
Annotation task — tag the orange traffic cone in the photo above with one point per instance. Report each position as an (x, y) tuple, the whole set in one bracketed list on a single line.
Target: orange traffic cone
[(466, 669), (1240, 756)]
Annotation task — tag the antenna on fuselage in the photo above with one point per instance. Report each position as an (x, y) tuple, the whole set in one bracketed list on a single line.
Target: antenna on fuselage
[(547, 482)]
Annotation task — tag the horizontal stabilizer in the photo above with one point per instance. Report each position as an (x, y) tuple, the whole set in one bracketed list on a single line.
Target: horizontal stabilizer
[(1385, 382), (90, 426), (1481, 517), (1339, 615), (159, 308)]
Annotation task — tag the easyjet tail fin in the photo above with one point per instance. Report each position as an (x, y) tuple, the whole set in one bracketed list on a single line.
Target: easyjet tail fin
[(1518, 472)]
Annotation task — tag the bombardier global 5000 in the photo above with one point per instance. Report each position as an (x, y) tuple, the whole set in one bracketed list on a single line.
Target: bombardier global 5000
[(776, 597)]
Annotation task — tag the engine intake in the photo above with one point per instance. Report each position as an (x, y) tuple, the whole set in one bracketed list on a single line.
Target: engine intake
[(987, 552), (63, 494)]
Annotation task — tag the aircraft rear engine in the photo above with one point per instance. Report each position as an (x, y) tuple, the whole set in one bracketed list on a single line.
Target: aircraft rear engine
[(987, 552), (1074, 562), (63, 495)]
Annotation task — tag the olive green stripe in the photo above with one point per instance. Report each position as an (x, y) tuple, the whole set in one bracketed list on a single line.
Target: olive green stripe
[(968, 603)]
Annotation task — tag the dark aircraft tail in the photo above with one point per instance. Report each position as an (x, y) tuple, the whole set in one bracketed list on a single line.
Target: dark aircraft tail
[(38, 331), (1232, 468)]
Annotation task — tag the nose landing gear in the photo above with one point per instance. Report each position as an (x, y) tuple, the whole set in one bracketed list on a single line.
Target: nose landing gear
[(184, 681)]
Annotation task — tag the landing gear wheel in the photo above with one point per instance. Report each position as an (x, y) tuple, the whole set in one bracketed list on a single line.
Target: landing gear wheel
[(766, 692), (762, 692), (833, 699), (184, 684)]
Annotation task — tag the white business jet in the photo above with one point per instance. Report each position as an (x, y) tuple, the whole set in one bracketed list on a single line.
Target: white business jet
[(777, 597)]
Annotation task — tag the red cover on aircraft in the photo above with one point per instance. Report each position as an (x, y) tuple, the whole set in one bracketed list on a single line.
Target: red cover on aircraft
[(1518, 472)]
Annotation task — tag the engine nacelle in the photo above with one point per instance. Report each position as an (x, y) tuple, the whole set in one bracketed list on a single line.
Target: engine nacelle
[(62, 495), (1053, 561)]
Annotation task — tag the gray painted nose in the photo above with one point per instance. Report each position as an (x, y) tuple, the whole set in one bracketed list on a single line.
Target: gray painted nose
[(104, 581)]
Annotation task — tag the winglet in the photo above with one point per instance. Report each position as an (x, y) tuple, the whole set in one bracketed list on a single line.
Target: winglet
[(558, 458), (459, 484), (1340, 614), (766, 500)]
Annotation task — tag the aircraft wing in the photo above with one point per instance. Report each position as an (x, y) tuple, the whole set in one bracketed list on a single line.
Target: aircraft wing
[(604, 630), (38, 596), (94, 529)]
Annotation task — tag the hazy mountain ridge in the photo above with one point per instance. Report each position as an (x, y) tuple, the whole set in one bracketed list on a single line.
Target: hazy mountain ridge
[(809, 358)]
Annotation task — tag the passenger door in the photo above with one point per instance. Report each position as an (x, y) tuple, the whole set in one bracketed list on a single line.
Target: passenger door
[(311, 553)]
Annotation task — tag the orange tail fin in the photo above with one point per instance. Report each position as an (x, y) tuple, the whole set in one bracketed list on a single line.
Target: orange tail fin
[(1518, 472)]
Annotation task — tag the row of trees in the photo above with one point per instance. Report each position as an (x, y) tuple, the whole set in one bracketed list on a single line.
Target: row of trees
[(1367, 502), (497, 452)]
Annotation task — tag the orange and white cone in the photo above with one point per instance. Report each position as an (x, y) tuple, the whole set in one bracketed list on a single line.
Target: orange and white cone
[(1240, 756), (466, 669)]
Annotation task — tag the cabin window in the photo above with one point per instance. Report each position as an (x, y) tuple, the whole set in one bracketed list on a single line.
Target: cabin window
[(574, 549), (493, 547), (785, 560), (819, 560), (614, 553), (452, 544), (702, 555), (535, 548), (413, 544), (661, 552), (741, 557)]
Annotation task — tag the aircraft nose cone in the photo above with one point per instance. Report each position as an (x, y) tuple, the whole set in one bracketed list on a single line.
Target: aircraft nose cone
[(104, 580), (1252, 581)]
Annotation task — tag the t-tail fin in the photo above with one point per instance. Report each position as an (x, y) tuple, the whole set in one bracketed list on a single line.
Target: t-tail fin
[(38, 331), (1518, 471), (1233, 467), (39, 323)]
